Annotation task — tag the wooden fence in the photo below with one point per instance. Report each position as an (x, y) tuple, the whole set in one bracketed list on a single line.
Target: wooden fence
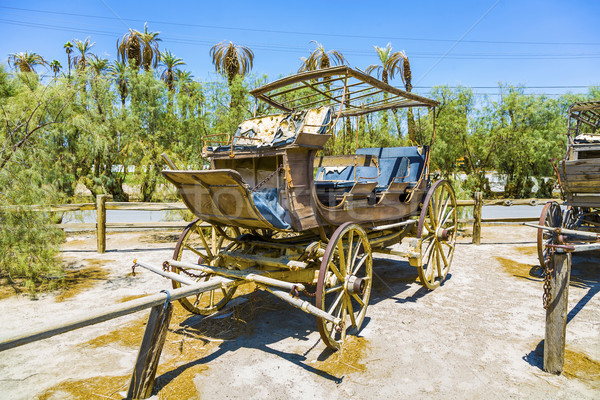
[(101, 206)]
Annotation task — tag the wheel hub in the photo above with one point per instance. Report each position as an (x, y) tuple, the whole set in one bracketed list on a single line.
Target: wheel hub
[(355, 285), (443, 234)]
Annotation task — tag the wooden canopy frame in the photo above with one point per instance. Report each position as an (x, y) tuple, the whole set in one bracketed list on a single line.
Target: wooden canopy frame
[(351, 91)]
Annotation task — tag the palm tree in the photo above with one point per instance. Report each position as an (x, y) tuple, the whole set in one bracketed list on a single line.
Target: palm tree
[(320, 58), (184, 78), (170, 62), (25, 61), (139, 49), (231, 60), (119, 72), (69, 49), (81, 61), (393, 63), (98, 65), (129, 49), (150, 52), (55, 67)]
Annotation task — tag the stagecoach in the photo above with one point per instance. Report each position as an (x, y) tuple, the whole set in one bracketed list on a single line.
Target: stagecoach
[(304, 225), (576, 226)]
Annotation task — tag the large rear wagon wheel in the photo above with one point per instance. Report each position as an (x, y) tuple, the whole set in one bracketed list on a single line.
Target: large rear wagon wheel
[(436, 232), (552, 217), (344, 285), (196, 245)]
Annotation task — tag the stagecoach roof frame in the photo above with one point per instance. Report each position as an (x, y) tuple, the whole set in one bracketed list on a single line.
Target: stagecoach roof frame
[(355, 91)]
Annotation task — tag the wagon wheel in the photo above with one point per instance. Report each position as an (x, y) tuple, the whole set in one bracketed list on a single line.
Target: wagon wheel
[(552, 217), (436, 234), (344, 284), (196, 246)]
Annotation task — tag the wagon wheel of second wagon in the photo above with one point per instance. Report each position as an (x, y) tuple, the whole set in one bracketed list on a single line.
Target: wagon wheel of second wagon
[(551, 216), (436, 234), (344, 284), (196, 245)]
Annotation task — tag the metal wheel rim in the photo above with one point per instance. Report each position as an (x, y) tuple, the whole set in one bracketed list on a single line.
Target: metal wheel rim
[(332, 294), (436, 231), (209, 302)]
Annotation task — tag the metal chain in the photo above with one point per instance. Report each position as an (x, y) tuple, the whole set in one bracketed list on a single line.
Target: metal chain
[(261, 183), (549, 269), (169, 267)]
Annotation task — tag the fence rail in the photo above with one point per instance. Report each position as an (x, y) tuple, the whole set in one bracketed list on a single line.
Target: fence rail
[(101, 206)]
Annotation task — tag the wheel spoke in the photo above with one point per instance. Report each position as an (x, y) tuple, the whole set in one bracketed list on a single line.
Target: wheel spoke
[(444, 259), (443, 209), (335, 270), (348, 258), (204, 242), (438, 264), (350, 310), (342, 259), (358, 299), (359, 265), (335, 303), (333, 289), (432, 214), (193, 250)]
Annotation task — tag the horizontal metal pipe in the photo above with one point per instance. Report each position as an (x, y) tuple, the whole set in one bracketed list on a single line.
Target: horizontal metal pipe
[(119, 310), (564, 231), (304, 306), (396, 225), (251, 277), (171, 275)]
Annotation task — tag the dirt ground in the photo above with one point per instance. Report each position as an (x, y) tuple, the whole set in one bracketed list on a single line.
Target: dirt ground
[(480, 335)]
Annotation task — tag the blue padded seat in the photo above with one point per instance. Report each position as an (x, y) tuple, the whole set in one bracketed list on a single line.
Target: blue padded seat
[(392, 163), (405, 164)]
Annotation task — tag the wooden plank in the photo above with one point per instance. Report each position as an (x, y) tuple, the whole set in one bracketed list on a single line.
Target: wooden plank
[(148, 225), (142, 379), (78, 227), (556, 314), (145, 206), (505, 220)]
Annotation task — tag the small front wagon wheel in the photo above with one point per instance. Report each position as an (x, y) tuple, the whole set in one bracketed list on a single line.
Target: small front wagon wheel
[(436, 233), (196, 246), (344, 284)]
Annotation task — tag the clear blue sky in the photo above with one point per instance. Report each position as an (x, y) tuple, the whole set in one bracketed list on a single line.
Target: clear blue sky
[(548, 44)]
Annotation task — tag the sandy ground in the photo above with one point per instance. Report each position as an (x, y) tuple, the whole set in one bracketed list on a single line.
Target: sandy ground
[(477, 336)]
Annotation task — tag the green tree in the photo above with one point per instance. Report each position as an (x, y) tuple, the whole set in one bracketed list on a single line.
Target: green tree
[(118, 71)]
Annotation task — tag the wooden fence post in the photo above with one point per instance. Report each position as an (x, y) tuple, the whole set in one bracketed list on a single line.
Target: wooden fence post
[(142, 379), (478, 197), (556, 314), (101, 223)]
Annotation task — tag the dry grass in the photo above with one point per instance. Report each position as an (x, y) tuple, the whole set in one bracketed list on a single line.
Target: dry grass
[(580, 366)]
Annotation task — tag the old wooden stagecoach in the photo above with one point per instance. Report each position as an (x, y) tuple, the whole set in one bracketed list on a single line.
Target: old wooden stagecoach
[(301, 225), (577, 228)]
